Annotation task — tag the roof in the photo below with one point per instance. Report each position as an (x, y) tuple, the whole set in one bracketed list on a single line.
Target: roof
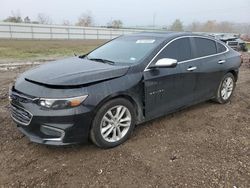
[(160, 34), (164, 35)]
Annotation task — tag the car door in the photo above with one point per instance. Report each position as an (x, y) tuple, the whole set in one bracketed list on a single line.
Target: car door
[(167, 89), (211, 58)]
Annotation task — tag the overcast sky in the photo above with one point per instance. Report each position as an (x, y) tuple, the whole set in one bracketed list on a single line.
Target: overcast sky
[(132, 12)]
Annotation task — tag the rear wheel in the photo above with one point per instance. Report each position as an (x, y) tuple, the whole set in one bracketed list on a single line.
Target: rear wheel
[(226, 88), (113, 123)]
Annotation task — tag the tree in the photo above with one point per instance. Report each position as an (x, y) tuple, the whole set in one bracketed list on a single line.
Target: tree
[(44, 19), (26, 19), (15, 17), (247, 30), (66, 22), (115, 24), (225, 27), (177, 26), (194, 27), (85, 20), (210, 26)]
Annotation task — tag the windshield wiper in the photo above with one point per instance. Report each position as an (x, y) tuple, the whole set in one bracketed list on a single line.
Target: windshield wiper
[(102, 60), (82, 56)]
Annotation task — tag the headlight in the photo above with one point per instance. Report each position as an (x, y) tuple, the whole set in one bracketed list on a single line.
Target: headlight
[(61, 103)]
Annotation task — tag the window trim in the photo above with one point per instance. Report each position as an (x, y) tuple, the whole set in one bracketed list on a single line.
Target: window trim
[(196, 48), (203, 57), (169, 45), (217, 46)]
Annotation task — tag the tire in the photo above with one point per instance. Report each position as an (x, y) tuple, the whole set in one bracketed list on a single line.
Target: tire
[(223, 97), (105, 128)]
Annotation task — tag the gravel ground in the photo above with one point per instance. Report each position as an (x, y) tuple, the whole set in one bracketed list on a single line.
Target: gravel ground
[(207, 145)]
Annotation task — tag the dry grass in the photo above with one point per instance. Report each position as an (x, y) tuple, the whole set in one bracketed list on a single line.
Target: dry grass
[(44, 49)]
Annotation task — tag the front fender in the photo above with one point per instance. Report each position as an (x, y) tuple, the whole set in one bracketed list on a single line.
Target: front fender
[(128, 86)]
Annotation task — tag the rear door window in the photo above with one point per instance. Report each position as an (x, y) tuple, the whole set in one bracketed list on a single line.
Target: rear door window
[(204, 47), (179, 49)]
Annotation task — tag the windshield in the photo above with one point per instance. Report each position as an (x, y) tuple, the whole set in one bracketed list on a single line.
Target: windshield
[(125, 49)]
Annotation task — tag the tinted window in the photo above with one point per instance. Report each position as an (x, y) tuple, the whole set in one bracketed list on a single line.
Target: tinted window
[(221, 48), (179, 49), (204, 47), (126, 49)]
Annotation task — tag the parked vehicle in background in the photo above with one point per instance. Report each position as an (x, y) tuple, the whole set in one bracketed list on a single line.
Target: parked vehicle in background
[(233, 44), (242, 45), (132, 79), (237, 44), (232, 40)]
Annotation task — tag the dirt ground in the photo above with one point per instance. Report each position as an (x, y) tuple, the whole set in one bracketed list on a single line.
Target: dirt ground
[(207, 145)]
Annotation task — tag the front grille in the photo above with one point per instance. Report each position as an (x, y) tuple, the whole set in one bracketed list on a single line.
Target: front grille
[(18, 97), (20, 115)]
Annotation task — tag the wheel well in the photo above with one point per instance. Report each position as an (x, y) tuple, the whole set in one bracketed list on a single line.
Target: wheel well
[(124, 96), (235, 74)]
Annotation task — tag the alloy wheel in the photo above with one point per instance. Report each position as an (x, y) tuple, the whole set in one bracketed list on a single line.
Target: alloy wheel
[(227, 88), (115, 123)]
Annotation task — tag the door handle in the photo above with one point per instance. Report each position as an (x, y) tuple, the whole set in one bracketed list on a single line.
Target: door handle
[(191, 68), (221, 61)]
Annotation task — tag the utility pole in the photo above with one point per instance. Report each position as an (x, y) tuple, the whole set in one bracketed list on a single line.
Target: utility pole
[(154, 17)]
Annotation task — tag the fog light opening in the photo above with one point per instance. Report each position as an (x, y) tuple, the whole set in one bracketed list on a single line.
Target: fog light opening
[(54, 133)]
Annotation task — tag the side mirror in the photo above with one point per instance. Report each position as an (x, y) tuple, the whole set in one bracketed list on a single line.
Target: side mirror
[(165, 63)]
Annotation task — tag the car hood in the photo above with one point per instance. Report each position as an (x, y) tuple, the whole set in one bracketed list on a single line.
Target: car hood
[(73, 72)]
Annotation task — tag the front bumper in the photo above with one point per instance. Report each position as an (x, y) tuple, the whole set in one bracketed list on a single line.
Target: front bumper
[(52, 127), (50, 130), (35, 138)]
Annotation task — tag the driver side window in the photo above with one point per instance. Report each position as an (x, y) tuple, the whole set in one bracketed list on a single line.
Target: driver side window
[(179, 49)]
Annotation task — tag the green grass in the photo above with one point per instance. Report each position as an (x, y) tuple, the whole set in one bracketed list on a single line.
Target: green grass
[(248, 46), (44, 49)]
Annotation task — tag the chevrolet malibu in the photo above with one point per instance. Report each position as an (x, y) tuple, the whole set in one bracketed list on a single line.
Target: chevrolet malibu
[(132, 79)]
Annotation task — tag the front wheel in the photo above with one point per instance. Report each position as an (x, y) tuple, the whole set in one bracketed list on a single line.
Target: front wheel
[(225, 89), (113, 123)]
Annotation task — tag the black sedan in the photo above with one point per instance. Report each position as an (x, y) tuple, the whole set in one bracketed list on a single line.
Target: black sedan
[(132, 79)]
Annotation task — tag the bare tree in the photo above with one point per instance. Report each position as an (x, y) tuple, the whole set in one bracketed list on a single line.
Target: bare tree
[(194, 27), (66, 22), (217, 27), (27, 19), (85, 20), (210, 26), (115, 24), (247, 30), (224, 27), (44, 19), (15, 17), (176, 26)]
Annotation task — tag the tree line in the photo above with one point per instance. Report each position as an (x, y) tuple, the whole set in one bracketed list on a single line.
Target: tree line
[(86, 20), (212, 26)]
